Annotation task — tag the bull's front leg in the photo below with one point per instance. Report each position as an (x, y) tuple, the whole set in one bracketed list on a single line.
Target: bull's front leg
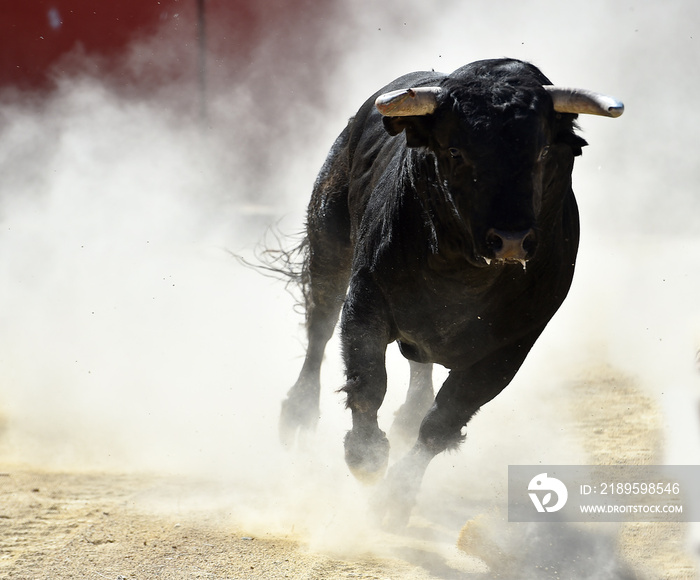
[(365, 335), (459, 398)]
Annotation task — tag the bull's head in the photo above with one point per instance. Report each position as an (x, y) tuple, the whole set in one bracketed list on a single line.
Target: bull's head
[(497, 153)]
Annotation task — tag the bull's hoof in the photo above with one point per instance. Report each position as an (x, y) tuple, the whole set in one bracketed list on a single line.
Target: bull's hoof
[(296, 421), (367, 455), (393, 501), (390, 509), (395, 498)]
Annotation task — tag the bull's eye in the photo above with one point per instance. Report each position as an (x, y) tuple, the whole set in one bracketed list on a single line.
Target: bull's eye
[(544, 152), (454, 152)]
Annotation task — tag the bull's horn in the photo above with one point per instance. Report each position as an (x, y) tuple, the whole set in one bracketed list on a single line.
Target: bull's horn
[(581, 101), (408, 102)]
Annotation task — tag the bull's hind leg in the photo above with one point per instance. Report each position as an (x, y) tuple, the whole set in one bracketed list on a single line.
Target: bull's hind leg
[(300, 410), (420, 396), (325, 276)]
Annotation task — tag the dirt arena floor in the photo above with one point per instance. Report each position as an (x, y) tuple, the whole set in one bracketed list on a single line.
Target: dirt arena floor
[(126, 526)]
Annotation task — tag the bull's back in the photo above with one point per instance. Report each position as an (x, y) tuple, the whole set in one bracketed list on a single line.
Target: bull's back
[(328, 217)]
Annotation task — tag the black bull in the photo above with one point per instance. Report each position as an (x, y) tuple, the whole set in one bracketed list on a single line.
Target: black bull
[(443, 219)]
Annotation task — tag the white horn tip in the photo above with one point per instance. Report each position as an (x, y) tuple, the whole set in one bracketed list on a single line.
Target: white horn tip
[(616, 108), (610, 106)]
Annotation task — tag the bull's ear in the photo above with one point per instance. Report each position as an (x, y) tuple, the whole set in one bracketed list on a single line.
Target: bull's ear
[(574, 141), (417, 129)]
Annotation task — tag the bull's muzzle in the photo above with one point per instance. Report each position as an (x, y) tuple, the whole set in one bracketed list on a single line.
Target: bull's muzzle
[(509, 246)]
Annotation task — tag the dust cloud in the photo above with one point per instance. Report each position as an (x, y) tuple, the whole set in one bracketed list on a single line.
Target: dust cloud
[(130, 339)]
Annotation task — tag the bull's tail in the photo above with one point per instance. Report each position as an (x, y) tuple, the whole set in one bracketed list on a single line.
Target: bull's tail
[(289, 264)]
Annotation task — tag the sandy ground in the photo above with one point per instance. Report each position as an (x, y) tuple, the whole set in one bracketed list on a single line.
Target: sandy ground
[(621, 425), (616, 424), (100, 525), (61, 525)]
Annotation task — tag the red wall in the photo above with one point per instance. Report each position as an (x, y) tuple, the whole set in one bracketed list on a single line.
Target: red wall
[(38, 37), (35, 35)]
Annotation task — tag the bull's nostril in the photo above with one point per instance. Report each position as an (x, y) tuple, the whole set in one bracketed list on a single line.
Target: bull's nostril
[(513, 246), (529, 243), (494, 242)]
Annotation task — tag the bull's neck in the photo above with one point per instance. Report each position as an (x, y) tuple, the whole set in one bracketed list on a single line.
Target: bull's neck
[(437, 214)]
